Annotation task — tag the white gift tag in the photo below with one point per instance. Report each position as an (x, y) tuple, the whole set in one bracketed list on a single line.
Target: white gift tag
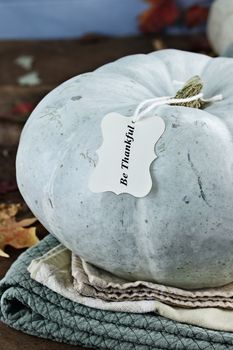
[(128, 144), (126, 154)]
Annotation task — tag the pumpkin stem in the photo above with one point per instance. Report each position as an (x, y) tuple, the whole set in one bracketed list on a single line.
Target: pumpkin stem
[(191, 88)]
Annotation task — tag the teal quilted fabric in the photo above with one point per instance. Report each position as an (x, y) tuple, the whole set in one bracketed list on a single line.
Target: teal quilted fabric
[(32, 308)]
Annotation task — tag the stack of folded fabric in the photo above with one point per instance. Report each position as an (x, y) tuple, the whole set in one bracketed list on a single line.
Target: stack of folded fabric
[(68, 300)]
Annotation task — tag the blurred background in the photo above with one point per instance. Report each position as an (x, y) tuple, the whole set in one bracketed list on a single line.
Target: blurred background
[(27, 19)]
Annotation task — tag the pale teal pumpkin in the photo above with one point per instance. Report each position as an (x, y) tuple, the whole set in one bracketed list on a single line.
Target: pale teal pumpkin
[(181, 233), (220, 27)]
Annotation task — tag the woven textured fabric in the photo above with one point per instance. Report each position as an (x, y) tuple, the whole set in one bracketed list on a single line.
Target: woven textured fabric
[(32, 308)]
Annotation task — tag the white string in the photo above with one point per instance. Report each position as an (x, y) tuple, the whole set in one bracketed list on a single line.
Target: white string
[(143, 103), (159, 101), (213, 99)]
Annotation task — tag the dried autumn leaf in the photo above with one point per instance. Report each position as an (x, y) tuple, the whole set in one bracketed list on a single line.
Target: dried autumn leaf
[(23, 108), (161, 14), (196, 15), (15, 233)]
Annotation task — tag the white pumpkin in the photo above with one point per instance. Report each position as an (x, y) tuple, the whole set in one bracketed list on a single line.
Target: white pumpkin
[(181, 233), (220, 26)]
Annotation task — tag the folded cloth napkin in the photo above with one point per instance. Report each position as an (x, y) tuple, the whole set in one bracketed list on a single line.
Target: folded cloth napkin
[(95, 282), (31, 307), (81, 282)]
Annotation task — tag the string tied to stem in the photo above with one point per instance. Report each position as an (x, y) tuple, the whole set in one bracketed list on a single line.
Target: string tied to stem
[(189, 96)]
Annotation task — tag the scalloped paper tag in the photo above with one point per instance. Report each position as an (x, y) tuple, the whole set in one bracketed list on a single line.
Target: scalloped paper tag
[(126, 154)]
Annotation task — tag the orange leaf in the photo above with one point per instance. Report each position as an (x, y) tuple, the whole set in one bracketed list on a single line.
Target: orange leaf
[(160, 14), (196, 15), (15, 233)]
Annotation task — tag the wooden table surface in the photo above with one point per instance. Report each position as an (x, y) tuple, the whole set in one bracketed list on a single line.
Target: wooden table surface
[(53, 62)]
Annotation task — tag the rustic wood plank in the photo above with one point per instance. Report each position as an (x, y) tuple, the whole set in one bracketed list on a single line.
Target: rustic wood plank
[(58, 60)]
